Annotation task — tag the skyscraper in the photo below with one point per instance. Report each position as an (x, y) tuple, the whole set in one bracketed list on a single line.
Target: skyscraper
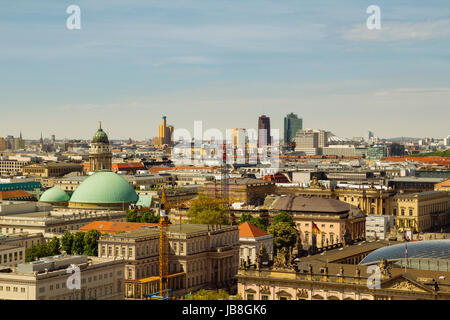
[(264, 131), (292, 124), (164, 133)]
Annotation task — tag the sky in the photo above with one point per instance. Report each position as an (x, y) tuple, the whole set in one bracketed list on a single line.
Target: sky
[(224, 62)]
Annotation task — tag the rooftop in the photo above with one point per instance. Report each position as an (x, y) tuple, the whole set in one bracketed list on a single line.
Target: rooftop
[(310, 204), (247, 230)]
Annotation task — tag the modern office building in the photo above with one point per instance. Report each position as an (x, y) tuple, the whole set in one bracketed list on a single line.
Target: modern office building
[(264, 138), (292, 124), (376, 152)]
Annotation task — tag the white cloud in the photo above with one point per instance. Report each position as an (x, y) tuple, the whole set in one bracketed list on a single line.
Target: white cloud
[(397, 31)]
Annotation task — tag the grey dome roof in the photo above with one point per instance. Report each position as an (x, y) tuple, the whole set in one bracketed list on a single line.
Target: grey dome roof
[(434, 249)]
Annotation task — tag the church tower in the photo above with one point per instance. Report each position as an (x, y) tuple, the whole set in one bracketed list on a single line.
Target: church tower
[(100, 156)]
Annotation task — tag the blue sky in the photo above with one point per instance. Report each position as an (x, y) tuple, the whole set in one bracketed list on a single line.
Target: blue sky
[(224, 62)]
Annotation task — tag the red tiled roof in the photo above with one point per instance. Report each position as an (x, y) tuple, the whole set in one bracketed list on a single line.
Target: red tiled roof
[(247, 230), (15, 194), (114, 226)]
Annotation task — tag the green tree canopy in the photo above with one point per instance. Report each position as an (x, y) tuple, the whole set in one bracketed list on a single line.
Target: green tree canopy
[(54, 247), (210, 295), (283, 217), (78, 243), (149, 217), (284, 234), (256, 221), (36, 252), (132, 216), (91, 242), (67, 242), (208, 210)]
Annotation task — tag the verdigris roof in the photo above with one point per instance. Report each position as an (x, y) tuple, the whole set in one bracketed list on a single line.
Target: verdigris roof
[(104, 187), (54, 194)]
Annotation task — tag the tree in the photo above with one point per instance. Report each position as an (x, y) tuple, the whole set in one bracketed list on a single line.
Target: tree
[(132, 216), (91, 242), (78, 243), (210, 295), (67, 242), (36, 252), (208, 210), (54, 247), (283, 217), (256, 221), (284, 234), (149, 217)]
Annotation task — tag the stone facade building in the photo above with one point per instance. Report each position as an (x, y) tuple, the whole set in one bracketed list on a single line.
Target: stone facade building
[(46, 279), (199, 257)]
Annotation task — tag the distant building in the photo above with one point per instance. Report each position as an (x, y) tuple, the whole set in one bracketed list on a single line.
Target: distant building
[(376, 152), (264, 138), (165, 134), (311, 141), (378, 227), (51, 169), (11, 256), (12, 167), (447, 141), (100, 156), (246, 190), (292, 124)]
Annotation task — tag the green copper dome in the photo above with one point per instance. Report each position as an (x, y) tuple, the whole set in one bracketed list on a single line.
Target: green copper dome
[(104, 187), (100, 136), (54, 194)]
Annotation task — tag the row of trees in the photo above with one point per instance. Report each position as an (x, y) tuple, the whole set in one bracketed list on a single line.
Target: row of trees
[(51, 248), (85, 243), (203, 294), (146, 216)]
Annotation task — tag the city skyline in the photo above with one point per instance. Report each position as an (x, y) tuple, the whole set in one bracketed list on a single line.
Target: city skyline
[(225, 63)]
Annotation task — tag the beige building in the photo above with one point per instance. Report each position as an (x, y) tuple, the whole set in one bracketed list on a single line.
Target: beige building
[(25, 240), (100, 156), (443, 185), (55, 222), (51, 169), (8, 167), (199, 257), (419, 212), (11, 256), (47, 279), (246, 190), (347, 274)]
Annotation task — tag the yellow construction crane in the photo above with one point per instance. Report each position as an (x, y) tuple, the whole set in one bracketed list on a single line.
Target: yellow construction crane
[(163, 247)]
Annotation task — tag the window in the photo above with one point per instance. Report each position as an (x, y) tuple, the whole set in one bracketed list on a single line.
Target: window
[(264, 297), (410, 212), (250, 296), (130, 252), (22, 290)]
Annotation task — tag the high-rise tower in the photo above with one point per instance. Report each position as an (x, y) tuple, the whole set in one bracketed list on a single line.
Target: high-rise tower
[(292, 124), (100, 156), (264, 138)]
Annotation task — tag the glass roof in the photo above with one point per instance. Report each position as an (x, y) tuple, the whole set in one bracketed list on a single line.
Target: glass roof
[(437, 249)]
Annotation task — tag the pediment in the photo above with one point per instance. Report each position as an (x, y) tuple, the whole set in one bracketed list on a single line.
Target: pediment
[(405, 285)]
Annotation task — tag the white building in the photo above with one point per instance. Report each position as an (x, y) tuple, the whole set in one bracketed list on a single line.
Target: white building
[(251, 239), (378, 226), (48, 279)]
